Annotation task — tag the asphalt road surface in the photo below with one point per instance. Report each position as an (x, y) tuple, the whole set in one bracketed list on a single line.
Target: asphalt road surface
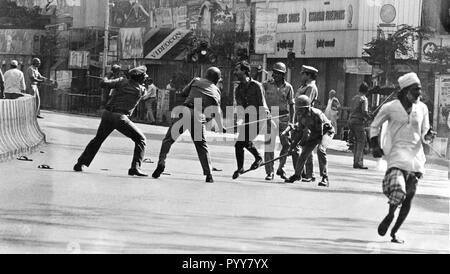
[(103, 210)]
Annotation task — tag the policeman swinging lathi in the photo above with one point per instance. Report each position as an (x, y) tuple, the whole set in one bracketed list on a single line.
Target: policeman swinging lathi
[(128, 93)]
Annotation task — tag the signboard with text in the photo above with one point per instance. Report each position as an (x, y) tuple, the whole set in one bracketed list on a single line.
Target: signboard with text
[(79, 59), (311, 15), (169, 42), (265, 30), (323, 44)]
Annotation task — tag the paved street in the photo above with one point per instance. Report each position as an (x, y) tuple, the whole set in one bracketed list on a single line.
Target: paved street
[(105, 211)]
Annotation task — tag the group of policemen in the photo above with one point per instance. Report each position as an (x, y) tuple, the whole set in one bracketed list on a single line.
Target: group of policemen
[(300, 126)]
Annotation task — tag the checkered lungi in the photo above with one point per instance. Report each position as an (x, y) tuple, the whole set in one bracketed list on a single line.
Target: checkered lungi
[(398, 183)]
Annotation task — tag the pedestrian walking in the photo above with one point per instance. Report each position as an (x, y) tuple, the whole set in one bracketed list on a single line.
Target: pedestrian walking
[(205, 91), (249, 94), (332, 110), (279, 94), (308, 76), (32, 79), (14, 79), (408, 126), (359, 116), (128, 93), (310, 128)]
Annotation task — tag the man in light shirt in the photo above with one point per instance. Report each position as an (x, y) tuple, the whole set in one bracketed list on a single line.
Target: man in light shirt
[(401, 144), (150, 100), (14, 79)]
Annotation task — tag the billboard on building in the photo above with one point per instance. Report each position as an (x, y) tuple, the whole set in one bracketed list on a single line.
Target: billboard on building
[(265, 30), (442, 100), (131, 43), (243, 28), (341, 28), (79, 59), (131, 14), (19, 41), (430, 46), (164, 18), (51, 7), (320, 44)]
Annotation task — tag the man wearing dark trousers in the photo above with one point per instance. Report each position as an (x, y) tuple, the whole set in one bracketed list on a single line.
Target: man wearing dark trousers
[(128, 93), (206, 92), (249, 93), (358, 117), (311, 125)]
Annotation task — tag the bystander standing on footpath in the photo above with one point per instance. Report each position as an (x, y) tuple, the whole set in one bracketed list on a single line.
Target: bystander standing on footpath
[(14, 79), (358, 118), (32, 79), (150, 100)]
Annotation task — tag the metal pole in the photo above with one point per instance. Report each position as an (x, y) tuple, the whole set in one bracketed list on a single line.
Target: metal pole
[(289, 75), (106, 41), (263, 74)]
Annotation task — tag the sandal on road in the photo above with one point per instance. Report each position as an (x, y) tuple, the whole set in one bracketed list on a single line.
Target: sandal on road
[(44, 167), (24, 158)]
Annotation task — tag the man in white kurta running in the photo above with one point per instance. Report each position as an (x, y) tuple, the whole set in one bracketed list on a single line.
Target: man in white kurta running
[(401, 144)]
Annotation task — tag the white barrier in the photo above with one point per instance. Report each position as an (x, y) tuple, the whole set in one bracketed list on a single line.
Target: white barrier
[(19, 130)]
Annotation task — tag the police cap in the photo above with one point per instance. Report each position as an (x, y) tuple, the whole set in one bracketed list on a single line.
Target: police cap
[(310, 69), (141, 70)]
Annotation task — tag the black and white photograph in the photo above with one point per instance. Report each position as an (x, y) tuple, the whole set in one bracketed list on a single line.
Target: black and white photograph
[(241, 129)]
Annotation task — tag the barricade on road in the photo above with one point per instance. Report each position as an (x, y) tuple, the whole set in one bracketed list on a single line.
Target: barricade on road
[(19, 129)]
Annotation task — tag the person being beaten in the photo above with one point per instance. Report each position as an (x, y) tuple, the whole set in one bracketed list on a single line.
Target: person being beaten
[(249, 96), (208, 94)]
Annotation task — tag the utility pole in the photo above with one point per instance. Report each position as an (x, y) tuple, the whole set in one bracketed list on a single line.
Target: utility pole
[(106, 41), (263, 74)]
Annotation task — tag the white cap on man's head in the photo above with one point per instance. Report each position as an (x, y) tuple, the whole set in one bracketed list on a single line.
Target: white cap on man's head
[(14, 63), (310, 69), (408, 79)]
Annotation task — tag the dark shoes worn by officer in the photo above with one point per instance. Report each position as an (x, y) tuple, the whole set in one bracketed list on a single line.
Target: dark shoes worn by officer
[(132, 171), (294, 178), (160, 169), (116, 117)]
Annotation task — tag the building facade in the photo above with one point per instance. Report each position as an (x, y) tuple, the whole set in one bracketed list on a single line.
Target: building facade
[(331, 36)]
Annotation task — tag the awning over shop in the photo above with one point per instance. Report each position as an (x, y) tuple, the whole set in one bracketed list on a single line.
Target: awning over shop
[(165, 44)]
